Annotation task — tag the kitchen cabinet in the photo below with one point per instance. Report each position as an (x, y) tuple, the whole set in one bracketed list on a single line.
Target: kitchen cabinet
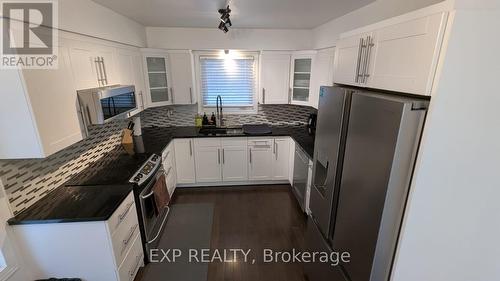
[(181, 71), (93, 65), (234, 159), (405, 55), (129, 62), (322, 73), (260, 159), (397, 55), (107, 250), (281, 156), (168, 162), (158, 79), (185, 161), (208, 160), (274, 78), (38, 112), (300, 77)]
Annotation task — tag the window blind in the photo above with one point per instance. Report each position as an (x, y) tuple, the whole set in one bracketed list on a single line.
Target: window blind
[(231, 78)]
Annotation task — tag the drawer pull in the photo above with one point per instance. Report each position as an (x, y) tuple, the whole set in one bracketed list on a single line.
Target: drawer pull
[(168, 172), (166, 155), (124, 214), (126, 241), (132, 271)]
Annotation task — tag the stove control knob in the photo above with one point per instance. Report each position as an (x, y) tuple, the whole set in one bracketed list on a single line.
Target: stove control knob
[(137, 179), (139, 176)]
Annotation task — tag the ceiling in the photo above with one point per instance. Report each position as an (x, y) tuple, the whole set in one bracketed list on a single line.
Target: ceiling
[(293, 14)]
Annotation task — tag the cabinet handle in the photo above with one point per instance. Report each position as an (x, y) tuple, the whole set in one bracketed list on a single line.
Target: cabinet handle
[(250, 155), (358, 65), (134, 268), (223, 157), (98, 70), (218, 156), (369, 46), (168, 172), (276, 150), (124, 214), (172, 94), (104, 70), (263, 96), (129, 237), (190, 148), (191, 95), (289, 95), (142, 99)]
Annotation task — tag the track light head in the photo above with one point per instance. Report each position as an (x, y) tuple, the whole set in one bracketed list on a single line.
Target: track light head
[(225, 21)]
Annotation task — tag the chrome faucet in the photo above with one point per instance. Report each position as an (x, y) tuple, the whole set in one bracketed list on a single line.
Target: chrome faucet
[(219, 116)]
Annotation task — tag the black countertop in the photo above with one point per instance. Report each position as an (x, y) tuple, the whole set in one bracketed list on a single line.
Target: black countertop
[(96, 192), (74, 204), (155, 139)]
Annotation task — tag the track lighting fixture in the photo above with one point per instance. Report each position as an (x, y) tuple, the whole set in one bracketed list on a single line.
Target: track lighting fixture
[(224, 19)]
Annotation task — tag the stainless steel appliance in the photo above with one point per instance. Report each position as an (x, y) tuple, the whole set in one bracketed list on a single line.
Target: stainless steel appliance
[(301, 187), (152, 218), (365, 149), (100, 105)]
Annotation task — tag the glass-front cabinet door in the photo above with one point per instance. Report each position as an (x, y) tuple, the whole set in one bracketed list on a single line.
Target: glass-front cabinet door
[(158, 81), (300, 79)]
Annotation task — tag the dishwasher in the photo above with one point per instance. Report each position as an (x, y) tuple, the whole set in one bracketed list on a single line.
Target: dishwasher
[(302, 171)]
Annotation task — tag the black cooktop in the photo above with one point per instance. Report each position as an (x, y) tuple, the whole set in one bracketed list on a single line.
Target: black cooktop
[(116, 167)]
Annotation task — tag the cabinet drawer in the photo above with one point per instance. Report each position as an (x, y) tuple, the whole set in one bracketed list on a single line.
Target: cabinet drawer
[(121, 213), (260, 141), (124, 235), (207, 142), (133, 261), (234, 141)]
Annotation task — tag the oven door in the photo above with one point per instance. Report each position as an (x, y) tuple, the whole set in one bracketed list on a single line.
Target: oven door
[(153, 216)]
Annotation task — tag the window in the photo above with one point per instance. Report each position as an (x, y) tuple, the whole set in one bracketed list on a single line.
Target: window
[(233, 76)]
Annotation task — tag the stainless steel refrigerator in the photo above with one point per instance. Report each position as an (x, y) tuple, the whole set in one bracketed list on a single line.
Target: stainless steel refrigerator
[(365, 150)]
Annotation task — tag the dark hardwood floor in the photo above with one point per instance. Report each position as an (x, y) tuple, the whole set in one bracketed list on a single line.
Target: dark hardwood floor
[(251, 217)]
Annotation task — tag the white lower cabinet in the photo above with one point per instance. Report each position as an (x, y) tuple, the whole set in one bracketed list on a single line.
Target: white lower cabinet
[(234, 159), (93, 251), (260, 153), (168, 162), (208, 160), (281, 157), (184, 162)]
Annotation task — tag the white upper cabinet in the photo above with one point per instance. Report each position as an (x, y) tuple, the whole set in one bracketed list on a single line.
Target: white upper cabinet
[(93, 65), (322, 73), (274, 78), (129, 63), (158, 79), (181, 72), (38, 112), (405, 55), (398, 55), (348, 55), (300, 77)]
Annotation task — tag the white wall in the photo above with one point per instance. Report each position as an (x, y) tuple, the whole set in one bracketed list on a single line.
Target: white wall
[(326, 35), (452, 226), (213, 38), (88, 18)]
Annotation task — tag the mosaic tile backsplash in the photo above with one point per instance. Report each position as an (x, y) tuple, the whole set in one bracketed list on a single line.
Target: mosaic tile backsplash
[(27, 181)]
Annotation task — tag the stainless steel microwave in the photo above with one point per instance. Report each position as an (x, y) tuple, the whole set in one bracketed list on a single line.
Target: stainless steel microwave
[(101, 105)]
